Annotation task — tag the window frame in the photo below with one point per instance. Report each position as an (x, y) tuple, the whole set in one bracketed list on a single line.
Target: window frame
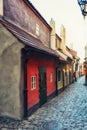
[(33, 82)]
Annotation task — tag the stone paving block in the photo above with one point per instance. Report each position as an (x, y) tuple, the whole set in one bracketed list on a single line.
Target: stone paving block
[(67, 111)]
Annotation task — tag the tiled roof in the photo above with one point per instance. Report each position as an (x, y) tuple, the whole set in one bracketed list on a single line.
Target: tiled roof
[(26, 38), (73, 53), (62, 56), (68, 54), (30, 40)]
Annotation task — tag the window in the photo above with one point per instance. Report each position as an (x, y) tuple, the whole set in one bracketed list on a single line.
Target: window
[(33, 82), (51, 77), (37, 29), (59, 75)]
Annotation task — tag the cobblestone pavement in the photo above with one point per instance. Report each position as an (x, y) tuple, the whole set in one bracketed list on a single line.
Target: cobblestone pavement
[(67, 111)]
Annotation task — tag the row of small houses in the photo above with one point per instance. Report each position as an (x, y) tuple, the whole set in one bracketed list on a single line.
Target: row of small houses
[(35, 63)]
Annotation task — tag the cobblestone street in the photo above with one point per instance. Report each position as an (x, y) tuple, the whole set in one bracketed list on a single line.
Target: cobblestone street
[(67, 111)]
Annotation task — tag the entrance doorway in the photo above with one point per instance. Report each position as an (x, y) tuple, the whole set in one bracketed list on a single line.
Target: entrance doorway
[(42, 85)]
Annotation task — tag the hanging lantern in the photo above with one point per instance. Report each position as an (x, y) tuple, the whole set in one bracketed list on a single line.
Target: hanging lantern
[(83, 6)]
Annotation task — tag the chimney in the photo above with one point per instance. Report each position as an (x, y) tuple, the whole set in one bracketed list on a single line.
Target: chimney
[(63, 37), (1, 7), (53, 32)]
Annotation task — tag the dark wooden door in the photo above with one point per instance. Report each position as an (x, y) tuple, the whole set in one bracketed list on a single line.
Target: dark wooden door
[(42, 85)]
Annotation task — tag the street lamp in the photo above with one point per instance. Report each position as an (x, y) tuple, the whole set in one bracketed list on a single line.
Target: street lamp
[(83, 6)]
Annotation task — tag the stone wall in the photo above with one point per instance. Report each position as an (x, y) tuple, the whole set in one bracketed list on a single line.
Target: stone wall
[(10, 74)]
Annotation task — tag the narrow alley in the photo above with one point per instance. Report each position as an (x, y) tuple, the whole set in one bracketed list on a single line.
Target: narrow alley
[(67, 111)]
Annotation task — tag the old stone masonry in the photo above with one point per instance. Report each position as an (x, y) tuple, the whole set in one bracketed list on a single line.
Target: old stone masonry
[(67, 111)]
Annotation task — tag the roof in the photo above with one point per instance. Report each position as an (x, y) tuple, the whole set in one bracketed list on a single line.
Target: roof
[(31, 41), (62, 56), (73, 53), (58, 36), (68, 54), (26, 38)]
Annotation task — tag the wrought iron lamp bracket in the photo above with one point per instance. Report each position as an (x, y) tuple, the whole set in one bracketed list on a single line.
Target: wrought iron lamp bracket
[(82, 4)]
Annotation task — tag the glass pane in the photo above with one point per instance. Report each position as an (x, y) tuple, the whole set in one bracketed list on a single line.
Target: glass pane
[(33, 82)]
